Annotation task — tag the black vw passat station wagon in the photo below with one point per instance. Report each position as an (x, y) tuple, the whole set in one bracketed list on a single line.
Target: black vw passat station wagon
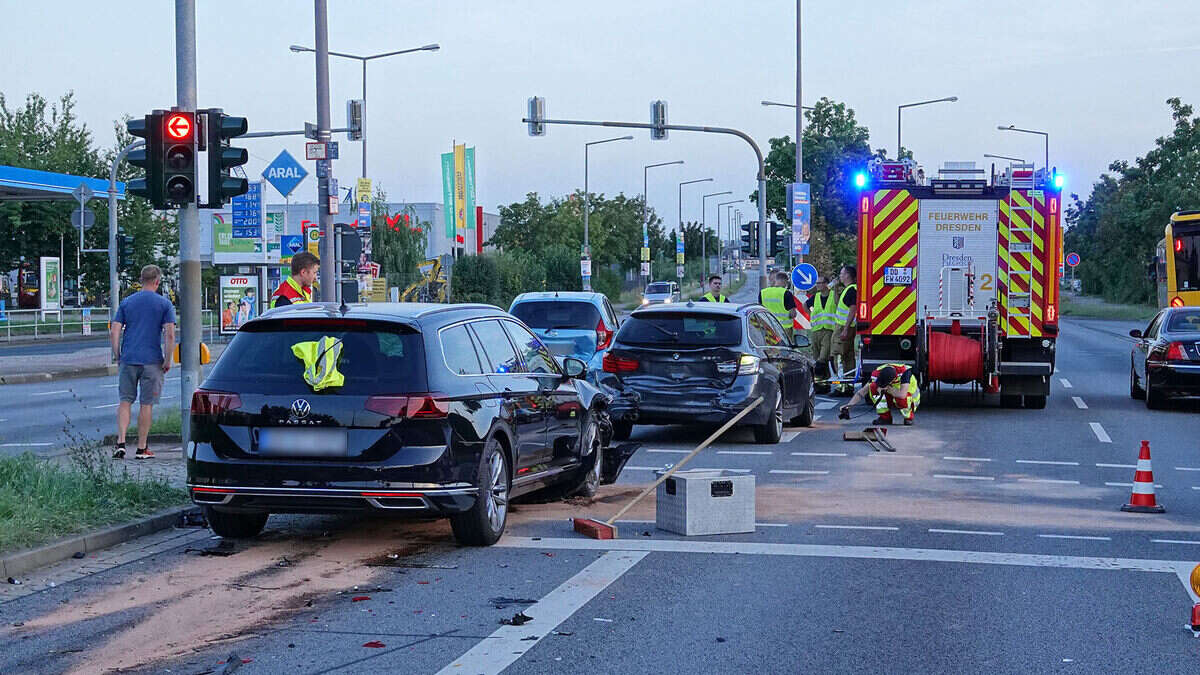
[(442, 409)]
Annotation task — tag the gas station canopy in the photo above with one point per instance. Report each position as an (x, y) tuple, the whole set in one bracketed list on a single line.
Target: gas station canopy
[(31, 185)]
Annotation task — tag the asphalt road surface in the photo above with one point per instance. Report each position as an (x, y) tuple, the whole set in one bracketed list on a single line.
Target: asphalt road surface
[(991, 541)]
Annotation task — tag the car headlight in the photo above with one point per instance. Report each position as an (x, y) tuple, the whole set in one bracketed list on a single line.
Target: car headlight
[(645, 301), (666, 301)]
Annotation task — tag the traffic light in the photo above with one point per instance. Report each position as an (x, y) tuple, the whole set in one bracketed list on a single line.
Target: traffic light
[(179, 158), (149, 158), (221, 158), (658, 118), (124, 250), (750, 239), (537, 113), (779, 240)]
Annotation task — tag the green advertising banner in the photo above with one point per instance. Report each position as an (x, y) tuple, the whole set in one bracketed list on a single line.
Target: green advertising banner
[(448, 192), (470, 179)]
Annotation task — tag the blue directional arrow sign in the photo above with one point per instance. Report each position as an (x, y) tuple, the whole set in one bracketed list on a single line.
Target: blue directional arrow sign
[(804, 276), (284, 173)]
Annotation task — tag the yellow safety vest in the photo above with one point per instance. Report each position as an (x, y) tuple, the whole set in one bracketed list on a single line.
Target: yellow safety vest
[(823, 315), (320, 362), (773, 300), (304, 296), (842, 315), (709, 297)]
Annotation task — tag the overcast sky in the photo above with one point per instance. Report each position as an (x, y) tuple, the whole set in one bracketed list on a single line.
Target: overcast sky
[(1095, 75)]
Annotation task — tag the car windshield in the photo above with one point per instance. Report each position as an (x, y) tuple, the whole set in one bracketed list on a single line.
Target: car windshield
[(658, 288), (557, 314), (1185, 321), (376, 357), (681, 328), (1187, 261)]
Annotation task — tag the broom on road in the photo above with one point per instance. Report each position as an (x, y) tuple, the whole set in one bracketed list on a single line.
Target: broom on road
[(597, 529)]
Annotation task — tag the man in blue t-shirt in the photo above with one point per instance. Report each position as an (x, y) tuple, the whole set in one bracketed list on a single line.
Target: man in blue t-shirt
[(137, 343)]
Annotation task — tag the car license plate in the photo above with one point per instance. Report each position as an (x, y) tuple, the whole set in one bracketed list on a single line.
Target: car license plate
[(302, 442)]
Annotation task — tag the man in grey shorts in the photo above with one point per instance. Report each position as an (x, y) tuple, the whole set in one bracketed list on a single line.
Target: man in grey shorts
[(137, 343)]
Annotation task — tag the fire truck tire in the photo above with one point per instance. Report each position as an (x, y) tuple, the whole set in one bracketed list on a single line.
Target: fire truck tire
[(1010, 401), (1035, 402)]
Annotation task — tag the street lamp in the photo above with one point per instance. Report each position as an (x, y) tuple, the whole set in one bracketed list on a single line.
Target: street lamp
[(720, 241), (1031, 131), (704, 228), (587, 203), (1011, 159), (899, 109), (645, 198), (788, 105), (687, 182), (363, 59)]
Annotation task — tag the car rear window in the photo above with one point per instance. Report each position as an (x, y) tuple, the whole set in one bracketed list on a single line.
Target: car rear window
[(681, 328), (1187, 321), (658, 288), (377, 358), (557, 314)]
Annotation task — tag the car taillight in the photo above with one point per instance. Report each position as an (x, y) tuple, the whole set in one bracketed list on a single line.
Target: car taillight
[(206, 402), (618, 364), (415, 406), (1175, 352), (747, 364), (604, 336)]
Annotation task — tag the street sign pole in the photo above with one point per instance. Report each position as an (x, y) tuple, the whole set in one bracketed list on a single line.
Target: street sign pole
[(324, 213), (189, 227)]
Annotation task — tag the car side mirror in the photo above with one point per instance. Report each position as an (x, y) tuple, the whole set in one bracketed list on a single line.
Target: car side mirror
[(801, 341), (1136, 332), (574, 368)]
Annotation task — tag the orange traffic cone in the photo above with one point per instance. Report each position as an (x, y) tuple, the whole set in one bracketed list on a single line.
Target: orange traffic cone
[(1142, 500)]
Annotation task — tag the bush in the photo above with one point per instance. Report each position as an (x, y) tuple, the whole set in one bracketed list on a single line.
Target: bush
[(562, 269), (476, 278), (608, 282), (519, 273)]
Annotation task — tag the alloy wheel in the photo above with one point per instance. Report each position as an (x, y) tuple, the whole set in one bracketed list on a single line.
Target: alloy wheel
[(497, 505)]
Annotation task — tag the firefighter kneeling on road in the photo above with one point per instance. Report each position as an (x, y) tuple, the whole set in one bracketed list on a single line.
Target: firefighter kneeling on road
[(891, 386)]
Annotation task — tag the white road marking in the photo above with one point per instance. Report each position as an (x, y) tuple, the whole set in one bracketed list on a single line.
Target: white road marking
[(798, 472), (1130, 485), (109, 386), (652, 522), (1187, 468), (51, 393), (24, 445), (953, 458), (107, 405), (1079, 403), (1074, 536), (507, 644), (1065, 383), (672, 452), (857, 527), (744, 452), (1117, 466), (894, 455), (1101, 434), (1175, 541), (898, 475), (1046, 461), (788, 436), (945, 475), (989, 534), (1048, 480), (825, 405), (820, 454), (663, 468)]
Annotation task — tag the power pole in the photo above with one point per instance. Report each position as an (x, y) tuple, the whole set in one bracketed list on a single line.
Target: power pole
[(799, 131), (324, 166), (190, 324)]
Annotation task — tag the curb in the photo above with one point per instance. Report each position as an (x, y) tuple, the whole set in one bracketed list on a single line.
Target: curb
[(89, 542), (25, 378), (165, 439)]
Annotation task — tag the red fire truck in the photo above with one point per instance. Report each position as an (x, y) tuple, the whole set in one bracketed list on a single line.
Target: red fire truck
[(958, 275)]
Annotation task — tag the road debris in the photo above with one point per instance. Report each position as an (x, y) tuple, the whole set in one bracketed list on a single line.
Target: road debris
[(563, 633), (223, 548), (519, 619), (360, 598), (79, 555), (502, 602), (374, 644), (14, 582), (530, 638)]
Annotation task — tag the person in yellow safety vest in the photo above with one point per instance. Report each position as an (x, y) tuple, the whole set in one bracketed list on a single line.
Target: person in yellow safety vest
[(714, 290), (844, 328), (297, 289), (890, 386), (778, 299), (821, 308)]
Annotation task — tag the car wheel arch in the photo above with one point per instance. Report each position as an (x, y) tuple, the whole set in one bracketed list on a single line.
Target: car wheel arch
[(503, 436)]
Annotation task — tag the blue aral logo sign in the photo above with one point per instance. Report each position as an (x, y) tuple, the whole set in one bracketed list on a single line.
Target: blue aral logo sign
[(284, 173)]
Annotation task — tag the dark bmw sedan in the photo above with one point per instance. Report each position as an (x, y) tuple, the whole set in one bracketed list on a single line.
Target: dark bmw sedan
[(404, 408), (1165, 361), (703, 363)]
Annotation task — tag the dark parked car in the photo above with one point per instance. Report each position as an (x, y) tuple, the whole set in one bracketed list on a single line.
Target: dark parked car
[(702, 363), (444, 409), (1165, 361)]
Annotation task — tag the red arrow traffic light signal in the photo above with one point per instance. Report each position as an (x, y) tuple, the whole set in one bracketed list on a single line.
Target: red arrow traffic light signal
[(178, 127)]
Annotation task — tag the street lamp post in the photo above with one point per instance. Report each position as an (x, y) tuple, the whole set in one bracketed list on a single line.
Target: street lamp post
[(1044, 134), (720, 241), (679, 230), (587, 203), (704, 228), (899, 109), (1011, 159), (645, 199), (363, 59)]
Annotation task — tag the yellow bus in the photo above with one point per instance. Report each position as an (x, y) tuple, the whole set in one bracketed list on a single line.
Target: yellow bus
[(1177, 261)]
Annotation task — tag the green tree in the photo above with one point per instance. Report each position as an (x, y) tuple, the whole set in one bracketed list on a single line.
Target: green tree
[(397, 242)]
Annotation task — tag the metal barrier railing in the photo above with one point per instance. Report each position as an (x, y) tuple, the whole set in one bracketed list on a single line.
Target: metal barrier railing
[(18, 325)]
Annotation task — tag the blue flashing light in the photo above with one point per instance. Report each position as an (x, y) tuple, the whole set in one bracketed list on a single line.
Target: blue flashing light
[(860, 179), (1059, 180)]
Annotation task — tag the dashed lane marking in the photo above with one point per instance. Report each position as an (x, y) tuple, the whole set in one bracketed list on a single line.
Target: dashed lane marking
[(798, 472), (109, 386), (953, 477), (663, 468), (51, 393), (1053, 481), (745, 452), (1065, 383), (1079, 403), (1175, 541), (982, 533), (1116, 466), (818, 454), (1074, 536), (653, 522), (896, 475), (671, 452), (508, 643), (25, 445), (1187, 468), (1046, 461), (1101, 434), (107, 405), (1130, 485), (954, 458), (883, 528)]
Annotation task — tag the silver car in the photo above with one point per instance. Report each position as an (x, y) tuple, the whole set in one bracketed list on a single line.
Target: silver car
[(660, 293)]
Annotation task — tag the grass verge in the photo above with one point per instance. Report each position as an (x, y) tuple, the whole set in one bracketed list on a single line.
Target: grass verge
[(1088, 307), (43, 499), (166, 421)]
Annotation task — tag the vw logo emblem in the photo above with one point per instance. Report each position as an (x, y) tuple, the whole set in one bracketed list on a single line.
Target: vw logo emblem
[(675, 356), (300, 408)]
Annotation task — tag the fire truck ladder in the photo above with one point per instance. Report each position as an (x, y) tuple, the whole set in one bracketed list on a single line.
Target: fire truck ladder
[(1020, 245)]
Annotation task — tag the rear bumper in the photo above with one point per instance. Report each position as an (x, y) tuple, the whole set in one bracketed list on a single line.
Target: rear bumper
[(700, 405), (1176, 379), (434, 500)]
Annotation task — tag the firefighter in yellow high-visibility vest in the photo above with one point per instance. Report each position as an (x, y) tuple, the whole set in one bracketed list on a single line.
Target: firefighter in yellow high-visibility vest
[(844, 329), (778, 299), (822, 307), (893, 386)]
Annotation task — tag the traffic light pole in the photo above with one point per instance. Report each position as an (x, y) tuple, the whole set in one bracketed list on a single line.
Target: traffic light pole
[(762, 176), (114, 282), (190, 322), (324, 217)]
